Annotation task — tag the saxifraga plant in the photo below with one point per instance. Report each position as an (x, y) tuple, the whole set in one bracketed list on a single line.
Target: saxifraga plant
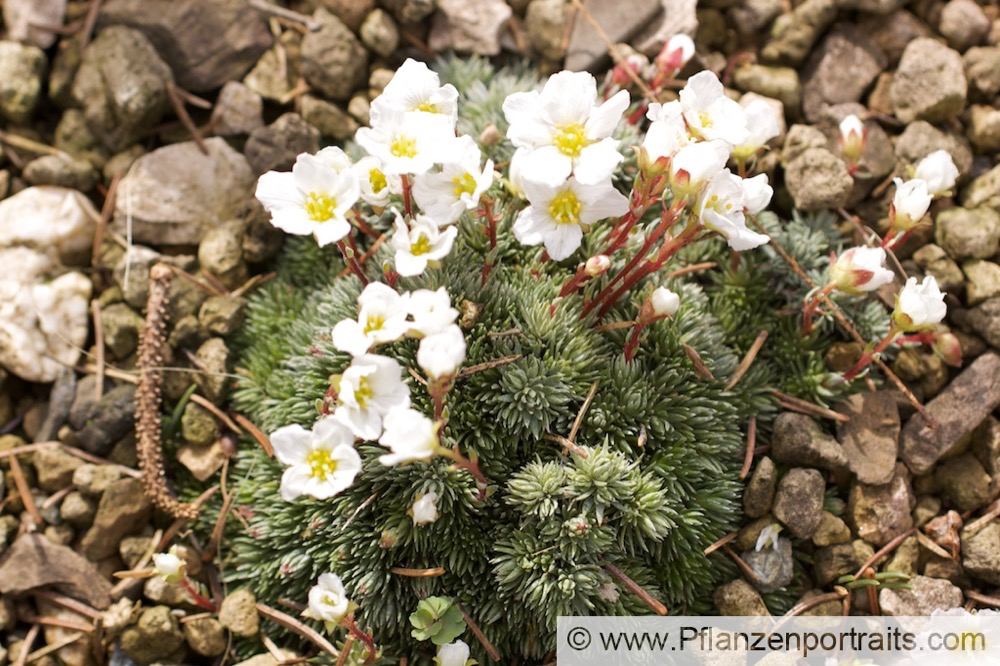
[(649, 480)]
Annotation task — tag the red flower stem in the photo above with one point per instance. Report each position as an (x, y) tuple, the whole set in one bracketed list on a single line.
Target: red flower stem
[(665, 223), (352, 262), (667, 250), (471, 466), (633, 343), (867, 357), (809, 307), (197, 596), (491, 234), (365, 638), (407, 202)]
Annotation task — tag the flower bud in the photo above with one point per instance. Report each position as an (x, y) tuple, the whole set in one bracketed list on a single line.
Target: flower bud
[(674, 55), (909, 204), (852, 138), (664, 302), (169, 566), (424, 510), (631, 65), (948, 348), (940, 172), (597, 265), (860, 269), (490, 135)]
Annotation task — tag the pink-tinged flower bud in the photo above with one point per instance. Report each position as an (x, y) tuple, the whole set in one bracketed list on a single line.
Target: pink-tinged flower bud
[(860, 269), (909, 203), (674, 55), (597, 265), (852, 138), (948, 348), (629, 67)]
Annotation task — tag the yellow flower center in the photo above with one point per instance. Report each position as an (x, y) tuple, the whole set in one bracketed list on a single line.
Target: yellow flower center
[(421, 246), (320, 207), (321, 464), (570, 139), (377, 179), (565, 208), (427, 107), (705, 119), (464, 184), (374, 323), (363, 393), (404, 146)]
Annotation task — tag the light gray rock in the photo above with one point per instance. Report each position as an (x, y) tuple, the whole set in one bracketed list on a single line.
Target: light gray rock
[(879, 514), (156, 636), (405, 11), (469, 27), (739, 598), (870, 438), (893, 32), (981, 552), (780, 83), (175, 194), (963, 23), (984, 128), (206, 43), (62, 171), (968, 233), (329, 119), (929, 83), (984, 190), (121, 86), (818, 179), (798, 440), (759, 493), (983, 281), (33, 562), (962, 406), (21, 68), (276, 146), (124, 508), (238, 110), (982, 69), (333, 60), (26, 20), (832, 562), (544, 24), (619, 20), (798, 502), (840, 70), (379, 33), (773, 567), (925, 596)]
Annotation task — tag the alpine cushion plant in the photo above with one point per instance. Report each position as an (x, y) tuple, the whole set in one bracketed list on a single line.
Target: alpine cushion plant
[(546, 412)]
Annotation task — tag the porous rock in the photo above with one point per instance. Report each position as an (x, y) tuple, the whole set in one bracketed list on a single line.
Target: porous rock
[(929, 83), (798, 502), (333, 60), (870, 438), (123, 509), (817, 179), (880, 513), (33, 562)]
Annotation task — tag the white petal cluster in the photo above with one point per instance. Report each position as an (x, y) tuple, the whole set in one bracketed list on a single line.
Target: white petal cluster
[(414, 160), (665, 302), (410, 436), (170, 566), (424, 510), (919, 306), (698, 135), (939, 172), (453, 654), (328, 600), (933, 177), (321, 462), (564, 160)]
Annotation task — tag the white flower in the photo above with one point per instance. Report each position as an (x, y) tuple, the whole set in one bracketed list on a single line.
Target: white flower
[(852, 137), (169, 566), (762, 124), (667, 132), (369, 389), (424, 510), (665, 302), (768, 537), (558, 215), (860, 269), (720, 208), (335, 158), (408, 142), (381, 318), (566, 130), (709, 113), (694, 165), (415, 88), (939, 171), (756, 193), (440, 355), (919, 306), (409, 435), (452, 654), (909, 203), (376, 185), (447, 194), (311, 199), (322, 461), (515, 177), (328, 600), (420, 244), (431, 311)]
